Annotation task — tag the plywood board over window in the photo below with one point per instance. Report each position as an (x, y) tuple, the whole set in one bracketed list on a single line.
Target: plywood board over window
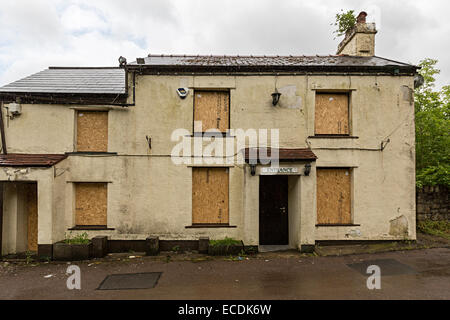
[(334, 196), (332, 114), (92, 131), (212, 108), (32, 215), (91, 204), (210, 195)]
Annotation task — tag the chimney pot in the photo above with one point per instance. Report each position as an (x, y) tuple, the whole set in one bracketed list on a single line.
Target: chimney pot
[(361, 18)]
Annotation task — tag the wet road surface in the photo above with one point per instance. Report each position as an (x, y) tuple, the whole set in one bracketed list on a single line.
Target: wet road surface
[(264, 277)]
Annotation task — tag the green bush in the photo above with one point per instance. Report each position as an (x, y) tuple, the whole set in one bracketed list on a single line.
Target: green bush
[(434, 175), (432, 115)]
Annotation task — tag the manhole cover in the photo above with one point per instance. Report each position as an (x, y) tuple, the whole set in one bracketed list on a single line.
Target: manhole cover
[(126, 281), (388, 267)]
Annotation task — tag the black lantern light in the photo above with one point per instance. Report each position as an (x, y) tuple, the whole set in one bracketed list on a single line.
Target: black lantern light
[(307, 169), (252, 169), (275, 97)]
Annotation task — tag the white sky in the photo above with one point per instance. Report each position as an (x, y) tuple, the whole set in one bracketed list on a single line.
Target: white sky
[(35, 34)]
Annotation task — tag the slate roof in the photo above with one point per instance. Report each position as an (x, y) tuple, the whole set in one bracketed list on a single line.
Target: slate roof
[(267, 60), (71, 80), (98, 82), (283, 154), (262, 63), (30, 160)]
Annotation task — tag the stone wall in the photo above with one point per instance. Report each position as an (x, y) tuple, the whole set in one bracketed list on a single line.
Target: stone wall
[(433, 203)]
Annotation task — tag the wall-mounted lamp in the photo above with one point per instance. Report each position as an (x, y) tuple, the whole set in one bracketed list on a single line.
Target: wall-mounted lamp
[(253, 169), (418, 81), (275, 97), (307, 169)]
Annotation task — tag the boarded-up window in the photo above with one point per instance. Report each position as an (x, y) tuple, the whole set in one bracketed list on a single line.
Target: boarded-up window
[(334, 196), (209, 195), (331, 114), (92, 131), (91, 204), (212, 108)]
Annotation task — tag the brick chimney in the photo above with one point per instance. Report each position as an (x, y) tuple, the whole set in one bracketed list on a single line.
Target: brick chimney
[(359, 41)]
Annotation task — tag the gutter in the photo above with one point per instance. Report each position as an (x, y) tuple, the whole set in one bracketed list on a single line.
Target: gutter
[(273, 69)]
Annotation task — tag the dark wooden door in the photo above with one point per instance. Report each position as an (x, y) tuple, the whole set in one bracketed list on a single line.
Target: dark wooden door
[(273, 210), (32, 208)]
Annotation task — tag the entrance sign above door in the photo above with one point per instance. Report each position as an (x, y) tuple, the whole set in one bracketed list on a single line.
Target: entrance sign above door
[(277, 170)]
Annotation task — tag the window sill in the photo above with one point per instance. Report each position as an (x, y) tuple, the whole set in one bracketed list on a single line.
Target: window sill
[(209, 226), (88, 181), (210, 134), (91, 228), (331, 136), (338, 225), (91, 153), (225, 165)]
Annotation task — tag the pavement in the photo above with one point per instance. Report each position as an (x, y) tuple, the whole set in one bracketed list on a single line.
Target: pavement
[(283, 275)]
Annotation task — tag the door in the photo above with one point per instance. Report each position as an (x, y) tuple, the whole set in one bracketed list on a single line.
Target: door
[(32, 216), (273, 210)]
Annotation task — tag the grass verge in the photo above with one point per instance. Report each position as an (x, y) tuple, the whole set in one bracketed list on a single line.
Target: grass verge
[(435, 228)]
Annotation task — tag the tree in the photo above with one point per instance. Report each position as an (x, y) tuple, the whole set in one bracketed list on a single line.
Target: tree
[(432, 110), (345, 21)]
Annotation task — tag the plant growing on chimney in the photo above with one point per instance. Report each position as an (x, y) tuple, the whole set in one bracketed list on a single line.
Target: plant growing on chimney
[(345, 21)]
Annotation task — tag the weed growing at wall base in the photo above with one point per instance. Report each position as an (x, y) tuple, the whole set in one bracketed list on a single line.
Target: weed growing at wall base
[(77, 239)]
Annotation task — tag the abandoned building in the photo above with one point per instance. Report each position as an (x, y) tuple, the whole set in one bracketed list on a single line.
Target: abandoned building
[(90, 150)]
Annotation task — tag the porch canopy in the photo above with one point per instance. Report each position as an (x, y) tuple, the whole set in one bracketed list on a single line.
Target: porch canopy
[(253, 155), (30, 160)]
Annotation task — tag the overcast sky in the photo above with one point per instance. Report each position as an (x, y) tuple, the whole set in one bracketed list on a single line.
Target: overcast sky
[(35, 34)]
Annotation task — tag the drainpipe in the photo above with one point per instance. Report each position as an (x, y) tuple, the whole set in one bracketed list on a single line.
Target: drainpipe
[(2, 130), (1, 219), (133, 103)]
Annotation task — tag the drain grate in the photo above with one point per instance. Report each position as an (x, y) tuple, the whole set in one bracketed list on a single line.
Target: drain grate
[(388, 267), (146, 280)]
